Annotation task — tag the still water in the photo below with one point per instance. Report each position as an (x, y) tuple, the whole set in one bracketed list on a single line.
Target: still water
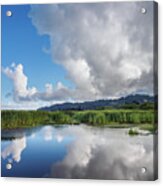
[(76, 152)]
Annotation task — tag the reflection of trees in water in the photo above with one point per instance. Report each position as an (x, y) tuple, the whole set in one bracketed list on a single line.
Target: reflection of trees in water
[(11, 134)]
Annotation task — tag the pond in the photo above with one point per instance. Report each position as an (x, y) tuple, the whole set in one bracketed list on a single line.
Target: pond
[(82, 151)]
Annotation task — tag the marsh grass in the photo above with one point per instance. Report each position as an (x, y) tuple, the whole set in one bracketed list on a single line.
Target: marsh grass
[(115, 118)]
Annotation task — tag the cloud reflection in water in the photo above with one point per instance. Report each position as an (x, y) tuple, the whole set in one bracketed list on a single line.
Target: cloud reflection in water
[(106, 154), (79, 152), (14, 149)]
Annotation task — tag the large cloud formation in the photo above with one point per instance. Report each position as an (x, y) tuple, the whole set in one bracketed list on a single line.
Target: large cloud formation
[(106, 49)]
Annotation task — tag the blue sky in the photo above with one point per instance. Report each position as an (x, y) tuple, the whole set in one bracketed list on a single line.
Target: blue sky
[(54, 53), (22, 44)]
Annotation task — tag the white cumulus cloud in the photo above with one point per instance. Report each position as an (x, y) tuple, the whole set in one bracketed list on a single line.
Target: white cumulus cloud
[(106, 48), (20, 82), (22, 92)]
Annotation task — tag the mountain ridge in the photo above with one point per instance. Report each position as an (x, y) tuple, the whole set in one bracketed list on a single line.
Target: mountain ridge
[(90, 105)]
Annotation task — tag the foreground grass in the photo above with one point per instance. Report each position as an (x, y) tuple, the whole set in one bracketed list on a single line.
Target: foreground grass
[(114, 118)]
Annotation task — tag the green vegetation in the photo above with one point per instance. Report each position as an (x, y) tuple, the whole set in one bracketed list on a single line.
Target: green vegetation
[(142, 106), (133, 106), (117, 118), (21, 119), (149, 127), (133, 132)]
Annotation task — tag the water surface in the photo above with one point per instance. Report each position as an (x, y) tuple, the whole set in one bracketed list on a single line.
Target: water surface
[(77, 152)]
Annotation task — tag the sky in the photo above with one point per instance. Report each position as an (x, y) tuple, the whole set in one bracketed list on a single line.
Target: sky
[(75, 52)]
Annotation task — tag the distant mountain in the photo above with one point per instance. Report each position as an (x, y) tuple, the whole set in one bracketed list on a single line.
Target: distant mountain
[(90, 105)]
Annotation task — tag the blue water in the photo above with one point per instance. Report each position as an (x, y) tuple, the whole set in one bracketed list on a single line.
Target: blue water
[(32, 154), (76, 152)]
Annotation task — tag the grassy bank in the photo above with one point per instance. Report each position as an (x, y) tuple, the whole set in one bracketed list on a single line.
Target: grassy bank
[(113, 118)]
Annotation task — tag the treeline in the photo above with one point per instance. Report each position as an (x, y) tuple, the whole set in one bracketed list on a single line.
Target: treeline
[(142, 106), (135, 106), (18, 119)]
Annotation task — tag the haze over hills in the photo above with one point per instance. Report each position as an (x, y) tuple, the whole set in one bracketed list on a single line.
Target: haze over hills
[(91, 105)]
